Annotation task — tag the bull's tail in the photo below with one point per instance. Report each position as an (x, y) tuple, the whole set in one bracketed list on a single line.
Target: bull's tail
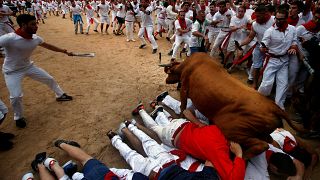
[(285, 116)]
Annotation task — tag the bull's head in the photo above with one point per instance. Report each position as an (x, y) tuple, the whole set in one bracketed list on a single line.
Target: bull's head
[(173, 74)]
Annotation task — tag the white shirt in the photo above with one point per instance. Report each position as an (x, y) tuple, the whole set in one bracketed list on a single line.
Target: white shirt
[(239, 34), (104, 9), (75, 10), (121, 11), (195, 40), (146, 20), (259, 29), (257, 168), (170, 14), (249, 13), (279, 135), (89, 12), (225, 21), (130, 16), (177, 26), (18, 51), (278, 42), (189, 15), (5, 9)]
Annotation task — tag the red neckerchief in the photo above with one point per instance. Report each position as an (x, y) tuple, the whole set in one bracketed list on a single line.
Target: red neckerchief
[(183, 23), (268, 154), (203, 7), (281, 29), (292, 21), (23, 34), (289, 145), (89, 6), (253, 16), (311, 26)]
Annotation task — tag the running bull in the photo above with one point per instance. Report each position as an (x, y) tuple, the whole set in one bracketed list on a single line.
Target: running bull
[(243, 115)]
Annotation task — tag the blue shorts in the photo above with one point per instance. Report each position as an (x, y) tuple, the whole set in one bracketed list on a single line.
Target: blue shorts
[(257, 57), (95, 170), (196, 49)]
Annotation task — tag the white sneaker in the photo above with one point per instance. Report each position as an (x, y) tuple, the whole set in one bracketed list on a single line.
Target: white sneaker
[(133, 40), (28, 176), (128, 40), (49, 162)]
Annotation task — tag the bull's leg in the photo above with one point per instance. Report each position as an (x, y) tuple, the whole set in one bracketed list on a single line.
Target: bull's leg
[(255, 147)]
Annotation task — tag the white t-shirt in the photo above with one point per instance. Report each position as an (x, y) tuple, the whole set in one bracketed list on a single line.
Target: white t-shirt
[(5, 9), (89, 12), (239, 34), (260, 29), (195, 40), (189, 15), (122, 12), (146, 20), (75, 10), (257, 168), (170, 14), (177, 26), (104, 9), (223, 17), (18, 51)]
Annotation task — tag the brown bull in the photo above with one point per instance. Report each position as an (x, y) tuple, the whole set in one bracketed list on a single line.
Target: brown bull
[(243, 115)]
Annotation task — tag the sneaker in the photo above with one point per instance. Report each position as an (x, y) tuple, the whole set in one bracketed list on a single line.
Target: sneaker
[(154, 51), (21, 123), (95, 30), (111, 134), (64, 97), (6, 136), (154, 113), (28, 176), (161, 96), (39, 158), (127, 123), (58, 142), (70, 168), (137, 109), (5, 145), (142, 46), (128, 40), (49, 162), (133, 40)]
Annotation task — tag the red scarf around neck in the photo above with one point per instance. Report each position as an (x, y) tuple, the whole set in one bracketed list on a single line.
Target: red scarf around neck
[(292, 21), (183, 23), (311, 26), (89, 6), (23, 34), (203, 7)]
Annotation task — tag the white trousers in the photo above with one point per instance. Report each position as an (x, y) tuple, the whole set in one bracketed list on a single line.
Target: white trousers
[(294, 67), (105, 19), (218, 42), (13, 82), (3, 109), (96, 23), (175, 106), (165, 133), (177, 43), (161, 23), (153, 150), (123, 174), (170, 24), (137, 162), (149, 31), (277, 68), (129, 30)]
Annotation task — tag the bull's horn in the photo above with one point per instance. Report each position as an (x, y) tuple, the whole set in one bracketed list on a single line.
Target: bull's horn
[(165, 65)]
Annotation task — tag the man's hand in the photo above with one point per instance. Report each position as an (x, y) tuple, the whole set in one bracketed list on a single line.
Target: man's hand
[(292, 51), (236, 149)]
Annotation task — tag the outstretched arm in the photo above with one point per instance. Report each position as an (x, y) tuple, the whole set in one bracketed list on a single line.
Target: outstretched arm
[(55, 48)]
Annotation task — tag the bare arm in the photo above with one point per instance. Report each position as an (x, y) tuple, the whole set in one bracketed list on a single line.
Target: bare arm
[(249, 38), (300, 170), (55, 48), (189, 115)]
